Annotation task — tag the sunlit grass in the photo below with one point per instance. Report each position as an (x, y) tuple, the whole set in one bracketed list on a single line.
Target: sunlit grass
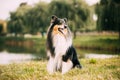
[(102, 69)]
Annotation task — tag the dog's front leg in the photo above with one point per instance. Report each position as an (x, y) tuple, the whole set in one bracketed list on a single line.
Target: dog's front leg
[(54, 64), (66, 66), (57, 62), (50, 66)]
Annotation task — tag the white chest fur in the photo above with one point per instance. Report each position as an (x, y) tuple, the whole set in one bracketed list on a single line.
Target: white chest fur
[(61, 44)]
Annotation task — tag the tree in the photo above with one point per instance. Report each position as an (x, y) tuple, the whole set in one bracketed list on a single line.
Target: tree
[(108, 15), (27, 19), (37, 18), (16, 24), (1, 28)]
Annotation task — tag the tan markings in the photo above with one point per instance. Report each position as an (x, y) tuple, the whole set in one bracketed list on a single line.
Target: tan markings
[(55, 30)]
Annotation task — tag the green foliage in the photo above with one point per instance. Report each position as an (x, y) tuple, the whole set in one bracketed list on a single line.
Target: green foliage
[(92, 61), (28, 19), (16, 24), (108, 12)]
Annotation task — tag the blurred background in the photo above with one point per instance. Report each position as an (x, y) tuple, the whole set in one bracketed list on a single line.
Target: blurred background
[(23, 24)]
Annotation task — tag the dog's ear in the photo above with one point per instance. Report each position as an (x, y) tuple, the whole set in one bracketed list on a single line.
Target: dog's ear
[(65, 19), (53, 18)]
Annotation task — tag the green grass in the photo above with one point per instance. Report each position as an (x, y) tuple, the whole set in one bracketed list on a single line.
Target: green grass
[(93, 61), (103, 42), (102, 69)]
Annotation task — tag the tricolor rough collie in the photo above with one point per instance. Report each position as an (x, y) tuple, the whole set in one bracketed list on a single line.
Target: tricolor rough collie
[(60, 51)]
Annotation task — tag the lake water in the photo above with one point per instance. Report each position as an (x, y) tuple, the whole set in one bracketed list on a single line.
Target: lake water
[(100, 56), (6, 57), (12, 57)]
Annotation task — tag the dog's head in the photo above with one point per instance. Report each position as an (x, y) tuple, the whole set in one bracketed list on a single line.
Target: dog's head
[(59, 27)]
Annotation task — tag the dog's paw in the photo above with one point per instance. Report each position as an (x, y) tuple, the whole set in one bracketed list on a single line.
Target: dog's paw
[(78, 66)]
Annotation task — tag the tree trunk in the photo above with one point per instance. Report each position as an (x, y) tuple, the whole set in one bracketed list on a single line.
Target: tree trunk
[(74, 34)]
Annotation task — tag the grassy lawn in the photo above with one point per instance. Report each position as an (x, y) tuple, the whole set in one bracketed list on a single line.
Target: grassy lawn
[(103, 42), (93, 69)]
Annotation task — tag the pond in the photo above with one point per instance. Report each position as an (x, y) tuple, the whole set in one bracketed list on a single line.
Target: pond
[(6, 57)]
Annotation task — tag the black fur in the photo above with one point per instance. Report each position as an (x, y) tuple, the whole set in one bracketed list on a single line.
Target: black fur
[(72, 55), (49, 42), (50, 47)]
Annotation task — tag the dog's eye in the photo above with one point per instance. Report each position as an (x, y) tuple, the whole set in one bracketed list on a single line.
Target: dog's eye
[(65, 26)]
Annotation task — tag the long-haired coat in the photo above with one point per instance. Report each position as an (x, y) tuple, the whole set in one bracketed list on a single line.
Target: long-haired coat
[(62, 55)]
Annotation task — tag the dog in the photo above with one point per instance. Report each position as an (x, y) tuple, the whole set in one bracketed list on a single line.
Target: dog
[(61, 54)]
